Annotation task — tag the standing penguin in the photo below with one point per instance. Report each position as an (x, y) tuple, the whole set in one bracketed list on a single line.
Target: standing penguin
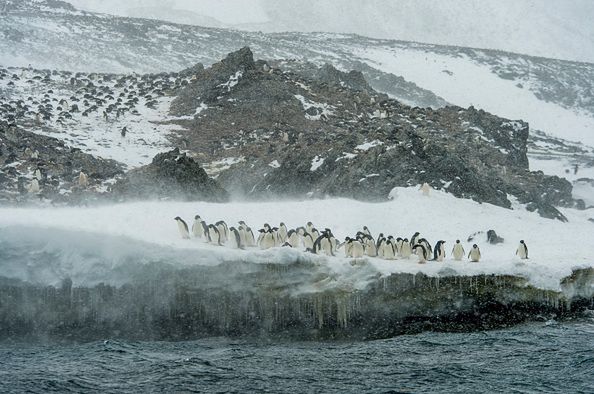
[(223, 231), (34, 186), (197, 228), (405, 250), (182, 227), (214, 235), (378, 244), (282, 233), (413, 239), (308, 241), (522, 250), (398, 245), (234, 239), (458, 251), (83, 180), (323, 245), (293, 238), (249, 237), (366, 230), (475, 254), (387, 250), (356, 250), (421, 252), (439, 251), (267, 240), (370, 248), (428, 249)]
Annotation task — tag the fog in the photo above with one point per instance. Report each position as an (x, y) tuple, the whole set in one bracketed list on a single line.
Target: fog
[(544, 28)]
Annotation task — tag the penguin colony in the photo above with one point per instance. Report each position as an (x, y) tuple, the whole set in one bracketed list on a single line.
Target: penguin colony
[(324, 242)]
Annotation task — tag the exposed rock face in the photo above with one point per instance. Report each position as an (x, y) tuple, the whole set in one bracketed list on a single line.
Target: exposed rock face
[(170, 175), (322, 132), (23, 152)]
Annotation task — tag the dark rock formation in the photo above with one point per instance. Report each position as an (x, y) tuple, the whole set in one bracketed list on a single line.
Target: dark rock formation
[(171, 175), (493, 238), (282, 121), (58, 164)]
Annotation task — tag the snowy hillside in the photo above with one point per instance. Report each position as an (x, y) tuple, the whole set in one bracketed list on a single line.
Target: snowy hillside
[(555, 29), (102, 242)]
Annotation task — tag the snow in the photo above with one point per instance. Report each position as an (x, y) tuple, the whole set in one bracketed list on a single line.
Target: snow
[(472, 84), (368, 145), (316, 163), (323, 108), (555, 248), (274, 164), (233, 80)]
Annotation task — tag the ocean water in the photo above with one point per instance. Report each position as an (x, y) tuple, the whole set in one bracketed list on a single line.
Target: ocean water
[(530, 358)]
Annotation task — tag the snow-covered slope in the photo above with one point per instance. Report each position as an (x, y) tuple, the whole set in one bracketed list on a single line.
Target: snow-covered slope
[(102, 240), (557, 29)]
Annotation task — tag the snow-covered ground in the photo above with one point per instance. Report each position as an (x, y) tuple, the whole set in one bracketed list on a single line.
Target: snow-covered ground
[(555, 248), (464, 82)]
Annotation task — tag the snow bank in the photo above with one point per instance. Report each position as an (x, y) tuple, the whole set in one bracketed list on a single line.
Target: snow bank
[(147, 230)]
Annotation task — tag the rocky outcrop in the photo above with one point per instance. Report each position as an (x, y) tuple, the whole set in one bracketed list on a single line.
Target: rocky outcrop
[(293, 129), (23, 153), (171, 175)]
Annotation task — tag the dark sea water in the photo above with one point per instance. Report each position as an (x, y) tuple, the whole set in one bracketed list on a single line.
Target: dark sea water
[(537, 357)]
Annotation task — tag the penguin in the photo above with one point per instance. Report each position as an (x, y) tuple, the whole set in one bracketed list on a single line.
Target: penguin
[(369, 246), (182, 227), (223, 231), (35, 154), (332, 239), (314, 233), (322, 244), (242, 234), (428, 249), (347, 247), (475, 253), (234, 239), (261, 236), (308, 227), (267, 227), (276, 236), (267, 240), (33, 186), (37, 173), (123, 132), (425, 189), (398, 244), (282, 232), (293, 238), (356, 250), (380, 238), (388, 250), (83, 180), (366, 230), (249, 237), (197, 228), (308, 241), (439, 251), (522, 250), (458, 251), (214, 235), (421, 252), (406, 249), (413, 239)]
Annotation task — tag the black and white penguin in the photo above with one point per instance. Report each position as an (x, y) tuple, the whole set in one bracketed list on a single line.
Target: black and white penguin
[(369, 246), (261, 233), (420, 251), (268, 240), (356, 249), (475, 253), (83, 180), (223, 231), (308, 241), (322, 244), (249, 237), (388, 250), (234, 239), (522, 250), (293, 238), (182, 227), (308, 227), (458, 251), (197, 227), (406, 249), (242, 234), (428, 249), (413, 239), (214, 235), (439, 251), (398, 244), (282, 232), (366, 230)]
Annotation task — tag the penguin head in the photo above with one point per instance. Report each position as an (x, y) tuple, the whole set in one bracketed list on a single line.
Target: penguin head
[(417, 233), (457, 241), (365, 228), (177, 218), (197, 217), (281, 224), (522, 241), (380, 234), (475, 246), (261, 230), (405, 240), (309, 223), (242, 222)]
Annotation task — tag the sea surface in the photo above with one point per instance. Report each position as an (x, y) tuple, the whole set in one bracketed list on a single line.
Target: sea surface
[(552, 357)]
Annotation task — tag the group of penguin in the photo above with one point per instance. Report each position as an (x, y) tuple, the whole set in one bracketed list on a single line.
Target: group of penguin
[(324, 242)]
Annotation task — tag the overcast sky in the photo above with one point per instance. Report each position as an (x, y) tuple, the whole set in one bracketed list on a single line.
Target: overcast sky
[(552, 28)]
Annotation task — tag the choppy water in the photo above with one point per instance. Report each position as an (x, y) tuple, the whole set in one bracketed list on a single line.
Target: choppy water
[(536, 357)]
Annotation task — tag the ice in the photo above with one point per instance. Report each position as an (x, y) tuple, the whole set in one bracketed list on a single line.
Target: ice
[(555, 248), (316, 163)]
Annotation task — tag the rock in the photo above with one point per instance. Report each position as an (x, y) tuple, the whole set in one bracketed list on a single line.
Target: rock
[(171, 175), (493, 238)]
